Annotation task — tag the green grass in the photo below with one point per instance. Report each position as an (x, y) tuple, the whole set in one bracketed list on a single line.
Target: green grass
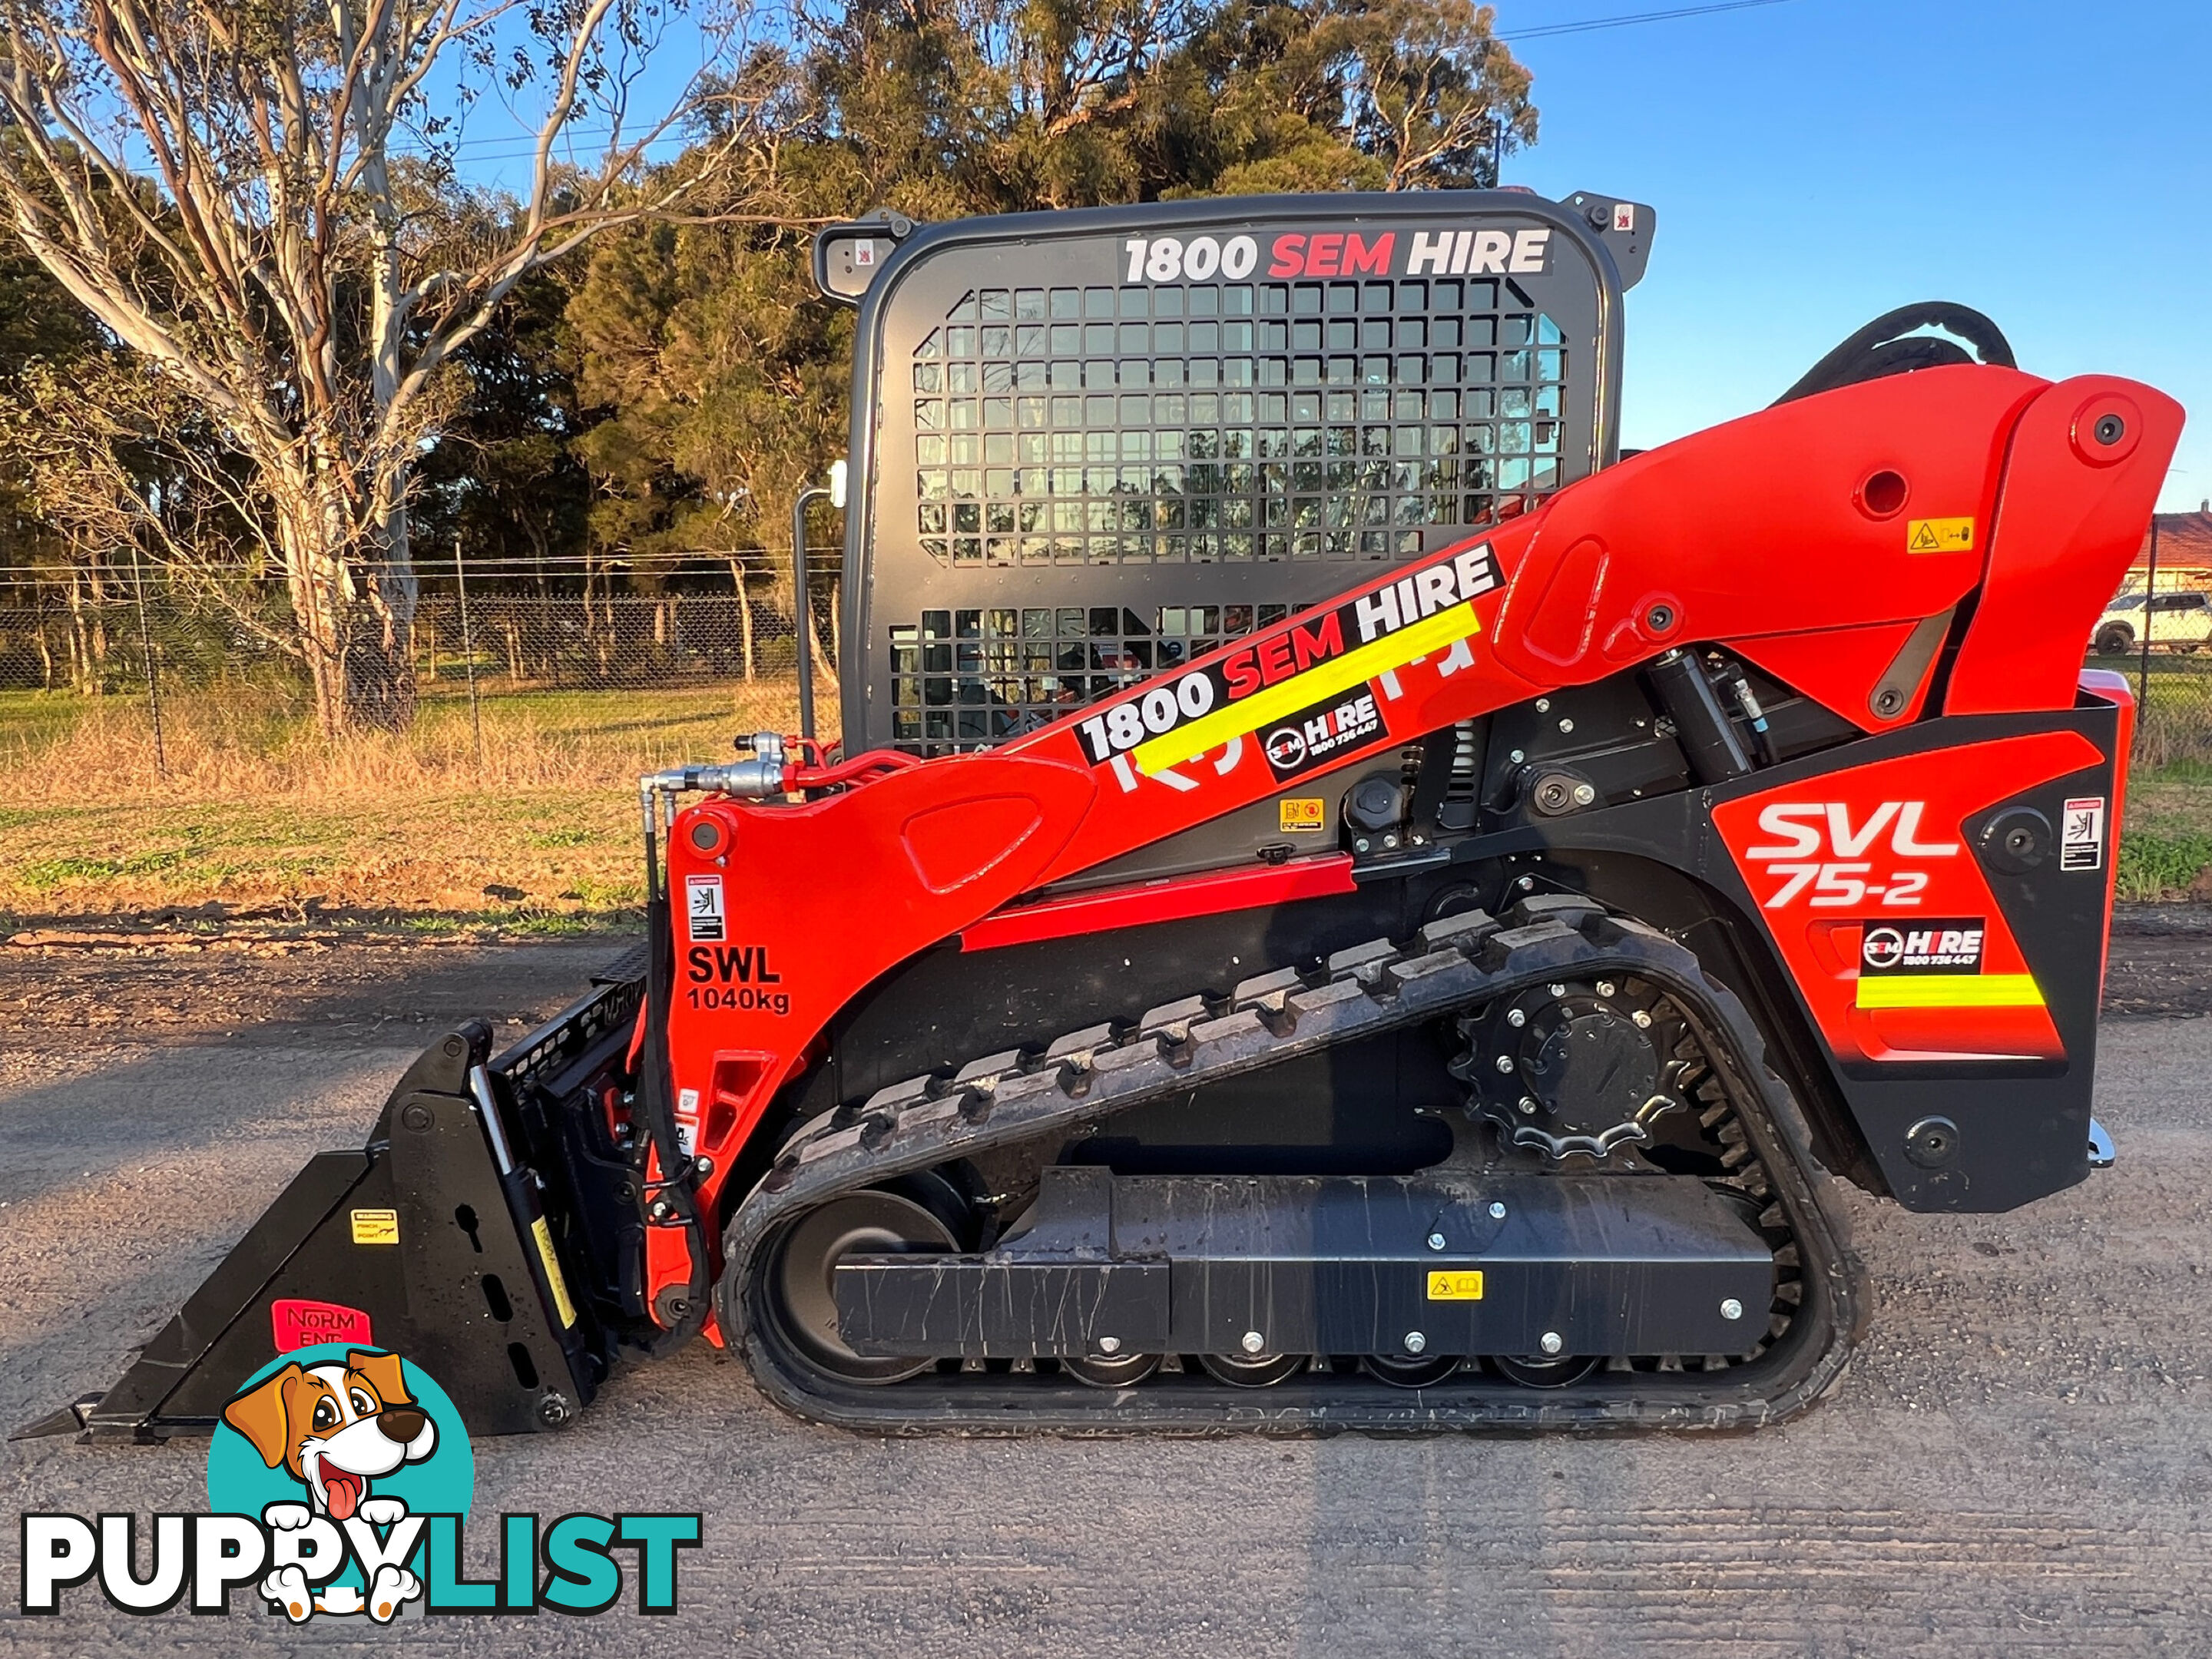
[(260, 819), (428, 862), (2165, 834), (37, 718), (2154, 866), (44, 875)]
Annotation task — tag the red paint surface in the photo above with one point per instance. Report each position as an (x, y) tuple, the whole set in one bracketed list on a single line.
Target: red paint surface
[(1753, 532), (2072, 516), (1865, 835), (1172, 900)]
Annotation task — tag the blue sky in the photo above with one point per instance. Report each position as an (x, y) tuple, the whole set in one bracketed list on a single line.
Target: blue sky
[(1816, 162)]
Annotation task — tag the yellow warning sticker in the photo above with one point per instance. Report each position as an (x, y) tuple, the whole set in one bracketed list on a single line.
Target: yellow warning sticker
[(1464, 1284), (1939, 535), (376, 1226), (1304, 814), (544, 1235)]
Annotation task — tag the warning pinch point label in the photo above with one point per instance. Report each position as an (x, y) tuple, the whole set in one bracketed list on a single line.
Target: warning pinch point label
[(1939, 535)]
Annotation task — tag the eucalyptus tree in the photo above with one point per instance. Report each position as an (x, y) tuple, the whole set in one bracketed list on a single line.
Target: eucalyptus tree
[(267, 205)]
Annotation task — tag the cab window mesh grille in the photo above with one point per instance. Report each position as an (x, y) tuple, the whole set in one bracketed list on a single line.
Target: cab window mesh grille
[(966, 678), (1220, 422)]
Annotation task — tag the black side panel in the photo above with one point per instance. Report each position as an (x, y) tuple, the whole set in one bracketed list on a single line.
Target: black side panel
[(2021, 1127), (1474, 1263)]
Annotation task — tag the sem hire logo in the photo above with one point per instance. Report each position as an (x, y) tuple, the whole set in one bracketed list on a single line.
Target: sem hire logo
[(338, 1483)]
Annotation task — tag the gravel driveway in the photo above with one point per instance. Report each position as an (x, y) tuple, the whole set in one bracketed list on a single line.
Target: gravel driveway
[(2019, 1462)]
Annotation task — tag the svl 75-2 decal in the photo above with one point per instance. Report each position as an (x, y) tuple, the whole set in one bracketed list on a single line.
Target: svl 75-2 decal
[(1869, 881), (1815, 853)]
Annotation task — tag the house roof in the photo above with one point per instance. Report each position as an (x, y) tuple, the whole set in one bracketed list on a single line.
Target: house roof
[(2184, 539)]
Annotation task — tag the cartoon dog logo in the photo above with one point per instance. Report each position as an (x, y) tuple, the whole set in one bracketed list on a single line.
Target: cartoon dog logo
[(335, 1429)]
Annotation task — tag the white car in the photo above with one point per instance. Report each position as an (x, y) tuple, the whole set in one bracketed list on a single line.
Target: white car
[(2177, 622)]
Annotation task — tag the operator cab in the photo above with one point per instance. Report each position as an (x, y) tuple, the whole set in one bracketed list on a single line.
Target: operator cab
[(1093, 445)]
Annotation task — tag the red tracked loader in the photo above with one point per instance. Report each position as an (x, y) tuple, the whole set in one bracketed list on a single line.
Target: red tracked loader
[(1342, 901)]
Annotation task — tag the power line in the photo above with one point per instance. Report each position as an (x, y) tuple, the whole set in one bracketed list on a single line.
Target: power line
[(1537, 32), (526, 138), (529, 150), (1590, 25)]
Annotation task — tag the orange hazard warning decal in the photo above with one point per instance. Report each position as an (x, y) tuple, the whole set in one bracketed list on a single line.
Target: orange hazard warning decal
[(1939, 535)]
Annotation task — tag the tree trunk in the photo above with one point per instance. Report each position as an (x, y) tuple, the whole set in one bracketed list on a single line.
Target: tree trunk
[(87, 635), (594, 652), (745, 615), (353, 593), (321, 592), (380, 668)]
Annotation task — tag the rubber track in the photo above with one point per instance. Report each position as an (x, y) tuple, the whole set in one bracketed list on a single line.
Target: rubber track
[(1093, 1073)]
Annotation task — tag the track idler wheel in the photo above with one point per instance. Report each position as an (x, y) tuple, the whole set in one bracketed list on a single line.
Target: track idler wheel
[(1115, 1371), (1262, 1370), (923, 1215), (1403, 1370), (1544, 1373)]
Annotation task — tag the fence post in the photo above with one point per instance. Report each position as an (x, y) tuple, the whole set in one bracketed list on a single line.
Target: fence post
[(2150, 614), (468, 652), (745, 614), (807, 498), (146, 645)]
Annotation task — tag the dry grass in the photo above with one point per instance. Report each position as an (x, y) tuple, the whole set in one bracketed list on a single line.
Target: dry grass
[(260, 819), (249, 743)]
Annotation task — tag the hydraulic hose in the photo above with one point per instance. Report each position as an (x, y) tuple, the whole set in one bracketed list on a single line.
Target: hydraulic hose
[(1889, 345), (656, 1095)]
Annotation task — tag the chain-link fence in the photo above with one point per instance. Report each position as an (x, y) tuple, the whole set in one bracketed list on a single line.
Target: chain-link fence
[(522, 642), (2174, 699), (2158, 630), (621, 665), (649, 674), (513, 642)]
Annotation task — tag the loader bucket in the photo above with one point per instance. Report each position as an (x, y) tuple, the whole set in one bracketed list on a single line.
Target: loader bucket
[(430, 1242)]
